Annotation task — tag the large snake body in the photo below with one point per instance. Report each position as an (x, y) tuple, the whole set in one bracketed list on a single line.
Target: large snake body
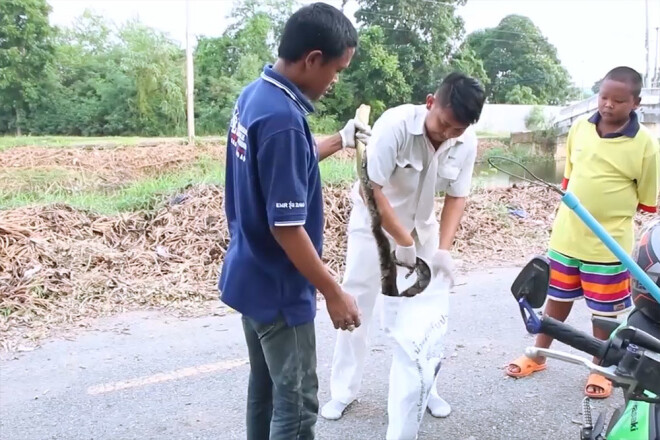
[(387, 260)]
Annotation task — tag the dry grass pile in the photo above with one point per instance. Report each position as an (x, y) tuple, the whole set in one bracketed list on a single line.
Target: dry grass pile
[(58, 265), (87, 167)]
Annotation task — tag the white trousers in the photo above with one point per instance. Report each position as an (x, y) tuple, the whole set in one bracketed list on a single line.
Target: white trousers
[(362, 280)]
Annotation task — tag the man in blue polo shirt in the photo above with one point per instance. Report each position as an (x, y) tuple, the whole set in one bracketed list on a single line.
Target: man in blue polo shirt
[(274, 209)]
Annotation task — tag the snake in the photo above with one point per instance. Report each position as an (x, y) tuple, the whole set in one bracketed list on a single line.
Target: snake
[(387, 259)]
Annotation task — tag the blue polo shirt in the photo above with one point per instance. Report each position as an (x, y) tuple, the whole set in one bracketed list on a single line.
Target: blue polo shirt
[(272, 180)]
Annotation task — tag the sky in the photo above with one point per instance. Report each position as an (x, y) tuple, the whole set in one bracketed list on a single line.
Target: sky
[(591, 36)]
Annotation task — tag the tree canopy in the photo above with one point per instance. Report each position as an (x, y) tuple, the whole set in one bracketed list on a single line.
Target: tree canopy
[(97, 78), (522, 66)]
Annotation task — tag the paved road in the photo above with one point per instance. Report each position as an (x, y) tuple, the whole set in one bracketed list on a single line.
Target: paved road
[(149, 376)]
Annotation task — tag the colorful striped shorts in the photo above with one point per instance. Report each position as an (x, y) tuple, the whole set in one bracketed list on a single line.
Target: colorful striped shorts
[(604, 286)]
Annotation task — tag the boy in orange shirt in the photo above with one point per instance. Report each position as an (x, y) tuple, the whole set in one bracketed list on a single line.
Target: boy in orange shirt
[(612, 167)]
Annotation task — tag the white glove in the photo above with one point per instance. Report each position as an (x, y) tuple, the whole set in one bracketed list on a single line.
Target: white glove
[(445, 264), (406, 254), (354, 129), (391, 306)]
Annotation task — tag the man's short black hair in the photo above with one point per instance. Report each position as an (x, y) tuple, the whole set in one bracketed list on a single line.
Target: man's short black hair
[(629, 76), (464, 95), (318, 26)]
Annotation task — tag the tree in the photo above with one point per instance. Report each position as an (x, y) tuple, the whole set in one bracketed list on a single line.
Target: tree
[(25, 51), (596, 87), (536, 119), (422, 36), (157, 67), (107, 81), (225, 64), (521, 95), (519, 59), (466, 61), (375, 76)]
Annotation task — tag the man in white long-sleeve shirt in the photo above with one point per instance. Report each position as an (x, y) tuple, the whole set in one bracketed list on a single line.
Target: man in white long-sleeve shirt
[(414, 152)]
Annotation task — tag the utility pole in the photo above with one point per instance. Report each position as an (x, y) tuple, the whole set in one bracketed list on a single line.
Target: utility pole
[(656, 72), (648, 60), (190, 79)]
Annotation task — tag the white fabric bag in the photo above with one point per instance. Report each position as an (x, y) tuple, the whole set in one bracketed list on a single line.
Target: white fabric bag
[(418, 325)]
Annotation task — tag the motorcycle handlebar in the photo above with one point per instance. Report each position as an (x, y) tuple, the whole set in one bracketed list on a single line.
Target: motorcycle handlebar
[(575, 338)]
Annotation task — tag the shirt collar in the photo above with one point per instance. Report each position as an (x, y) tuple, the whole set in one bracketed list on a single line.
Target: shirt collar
[(292, 91), (629, 130), (417, 128)]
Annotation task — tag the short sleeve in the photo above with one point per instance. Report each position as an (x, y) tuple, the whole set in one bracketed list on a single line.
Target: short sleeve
[(647, 185), (463, 183), (568, 168), (283, 164), (382, 149)]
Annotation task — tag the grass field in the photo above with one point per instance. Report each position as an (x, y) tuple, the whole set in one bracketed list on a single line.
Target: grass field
[(131, 176)]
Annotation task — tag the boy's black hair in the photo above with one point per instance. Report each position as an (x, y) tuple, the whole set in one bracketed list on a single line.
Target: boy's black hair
[(464, 95), (629, 76), (318, 26)]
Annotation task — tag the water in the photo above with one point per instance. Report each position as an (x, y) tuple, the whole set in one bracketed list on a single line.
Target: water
[(549, 170)]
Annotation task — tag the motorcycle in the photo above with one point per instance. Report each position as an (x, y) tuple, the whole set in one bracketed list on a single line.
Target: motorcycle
[(630, 358)]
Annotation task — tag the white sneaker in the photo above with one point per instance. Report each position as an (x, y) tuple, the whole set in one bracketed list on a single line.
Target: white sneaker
[(333, 410), (438, 407)]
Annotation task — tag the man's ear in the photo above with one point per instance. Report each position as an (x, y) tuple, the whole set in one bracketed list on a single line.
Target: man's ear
[(638, 101), (315, 57)]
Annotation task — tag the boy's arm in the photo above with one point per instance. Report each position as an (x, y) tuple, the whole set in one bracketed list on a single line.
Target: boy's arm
[(647, 186), (282, 163)]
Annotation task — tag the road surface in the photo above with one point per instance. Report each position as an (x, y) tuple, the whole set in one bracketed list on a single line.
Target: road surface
[(146, 375)]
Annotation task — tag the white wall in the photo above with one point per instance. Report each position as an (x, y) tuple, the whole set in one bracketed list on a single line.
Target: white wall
[(509, 117)]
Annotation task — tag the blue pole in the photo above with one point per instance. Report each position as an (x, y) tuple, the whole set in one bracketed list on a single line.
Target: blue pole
[(572, 202)]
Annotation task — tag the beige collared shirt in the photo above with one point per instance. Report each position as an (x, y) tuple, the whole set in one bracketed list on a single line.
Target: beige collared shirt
[(402, 160)]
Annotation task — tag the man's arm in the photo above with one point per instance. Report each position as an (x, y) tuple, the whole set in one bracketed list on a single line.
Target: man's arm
[(345, 138), (282, 162), (450, 219), (300, 250), (329, 146)]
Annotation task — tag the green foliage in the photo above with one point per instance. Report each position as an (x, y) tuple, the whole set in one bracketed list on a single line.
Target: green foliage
[(596, 87), (110, 82), (536, 119), (376, 77), (25, 52), (521, 64), (421, 35), (338, 171), (96, 79), (521, 95)]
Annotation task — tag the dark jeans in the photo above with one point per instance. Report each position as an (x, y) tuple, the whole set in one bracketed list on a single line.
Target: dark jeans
[(282, 401)]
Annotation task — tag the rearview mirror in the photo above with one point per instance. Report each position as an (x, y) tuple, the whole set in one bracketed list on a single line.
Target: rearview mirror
[(532, 282)]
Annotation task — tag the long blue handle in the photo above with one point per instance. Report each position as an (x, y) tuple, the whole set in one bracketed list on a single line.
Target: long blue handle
[(572, 202)]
